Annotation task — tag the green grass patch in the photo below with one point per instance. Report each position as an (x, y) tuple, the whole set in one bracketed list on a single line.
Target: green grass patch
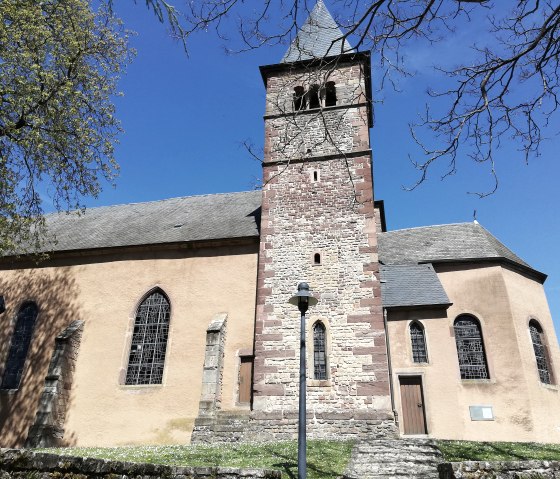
[(325, 459), (455, 451)]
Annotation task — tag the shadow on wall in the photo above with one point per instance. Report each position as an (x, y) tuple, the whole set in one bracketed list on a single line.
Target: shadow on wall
[(55, 293)]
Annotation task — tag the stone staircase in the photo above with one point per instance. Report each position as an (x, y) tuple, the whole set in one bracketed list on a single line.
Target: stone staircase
[(415, 458)]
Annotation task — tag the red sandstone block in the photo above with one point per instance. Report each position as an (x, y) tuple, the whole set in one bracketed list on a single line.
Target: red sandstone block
[(272, 337), (359, 350), (358, 318), (269, 390), (378, 388)]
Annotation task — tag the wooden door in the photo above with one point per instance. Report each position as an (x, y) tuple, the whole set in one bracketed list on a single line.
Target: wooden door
[(245, 372), (412, 401)]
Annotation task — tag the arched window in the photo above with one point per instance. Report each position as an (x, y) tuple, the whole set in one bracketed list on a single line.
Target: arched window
[(539, 346), (149, 340), (314, 96), (330, 93), (319, 351), (299, 98), (418, 340), (19, 346), (470, 348)]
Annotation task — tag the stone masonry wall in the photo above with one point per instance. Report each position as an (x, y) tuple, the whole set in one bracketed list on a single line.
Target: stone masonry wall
[(22, 464), (310, 133), (321, 204), (499, 470)]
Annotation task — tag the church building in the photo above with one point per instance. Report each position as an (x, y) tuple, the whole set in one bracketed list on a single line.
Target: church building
[(167, 322)]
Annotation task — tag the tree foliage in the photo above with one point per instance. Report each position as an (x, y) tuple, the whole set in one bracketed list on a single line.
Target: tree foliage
[(59, 64)]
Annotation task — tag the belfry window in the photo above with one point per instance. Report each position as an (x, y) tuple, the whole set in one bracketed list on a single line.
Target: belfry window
[(319, 351), (418, 342), (330, 93), (299, 98), (313, 94), (539, 347), (149, 341), (19, 346), (470, 348)]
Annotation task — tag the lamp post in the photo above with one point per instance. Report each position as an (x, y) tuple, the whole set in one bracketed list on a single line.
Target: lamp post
[(302, 300)]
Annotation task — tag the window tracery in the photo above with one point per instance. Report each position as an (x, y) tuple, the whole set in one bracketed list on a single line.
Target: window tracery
[(149, 341), (470, 348), (19, 346)]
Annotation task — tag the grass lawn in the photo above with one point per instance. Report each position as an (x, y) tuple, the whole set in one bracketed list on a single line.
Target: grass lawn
[(325, 459), (455, 451)]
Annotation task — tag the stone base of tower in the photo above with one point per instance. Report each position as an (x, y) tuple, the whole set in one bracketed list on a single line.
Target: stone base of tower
[(326, 425), (283, 426)]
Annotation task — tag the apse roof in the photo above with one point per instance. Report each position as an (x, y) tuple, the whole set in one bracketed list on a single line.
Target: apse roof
[(411, 285), (318, 37), (461, 241)]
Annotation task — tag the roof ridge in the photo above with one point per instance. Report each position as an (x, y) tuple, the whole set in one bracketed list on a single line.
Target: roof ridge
[(54, 213), (435, 226)]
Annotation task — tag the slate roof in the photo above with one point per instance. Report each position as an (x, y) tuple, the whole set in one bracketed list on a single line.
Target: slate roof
[(206, 217), (461, 241), (407, 285), (318, 37)]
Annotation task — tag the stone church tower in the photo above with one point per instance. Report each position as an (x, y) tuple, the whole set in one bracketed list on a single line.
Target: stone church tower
[(318, 225)]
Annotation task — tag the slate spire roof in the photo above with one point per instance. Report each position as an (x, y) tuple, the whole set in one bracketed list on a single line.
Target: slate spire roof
[(318, 37)]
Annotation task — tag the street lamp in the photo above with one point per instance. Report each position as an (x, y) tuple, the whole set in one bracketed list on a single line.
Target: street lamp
[(302, 300)]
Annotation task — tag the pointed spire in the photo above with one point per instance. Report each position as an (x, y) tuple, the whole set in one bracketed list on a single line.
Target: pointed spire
[(318, 37)]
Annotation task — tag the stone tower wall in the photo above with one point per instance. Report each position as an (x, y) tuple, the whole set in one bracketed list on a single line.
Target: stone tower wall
[(318, 198)]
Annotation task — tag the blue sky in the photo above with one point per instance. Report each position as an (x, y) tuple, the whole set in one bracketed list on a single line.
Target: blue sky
[(186, 117)]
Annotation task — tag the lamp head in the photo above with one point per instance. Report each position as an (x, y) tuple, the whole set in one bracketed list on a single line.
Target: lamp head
[(303, 299)]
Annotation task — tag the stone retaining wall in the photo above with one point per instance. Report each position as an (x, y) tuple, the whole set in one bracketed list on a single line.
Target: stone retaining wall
[(499, 470), (24, 464)]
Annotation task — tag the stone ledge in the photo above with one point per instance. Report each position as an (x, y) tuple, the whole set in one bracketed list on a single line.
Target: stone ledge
[(499, 469), (20, 463)]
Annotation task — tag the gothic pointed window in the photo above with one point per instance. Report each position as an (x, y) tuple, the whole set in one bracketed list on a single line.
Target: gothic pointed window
[(470, 348), (418, 342), (19, 346), (149, 340), (319, 351), (541, 354)]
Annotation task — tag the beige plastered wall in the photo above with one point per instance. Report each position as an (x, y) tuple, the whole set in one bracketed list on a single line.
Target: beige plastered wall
[(104, 291), (503, 301)]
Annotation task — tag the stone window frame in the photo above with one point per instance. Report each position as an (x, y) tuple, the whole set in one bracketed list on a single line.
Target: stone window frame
[(128, 341), (14, 321), (533, 321), (410, 342), (311, 381), (479, 323)]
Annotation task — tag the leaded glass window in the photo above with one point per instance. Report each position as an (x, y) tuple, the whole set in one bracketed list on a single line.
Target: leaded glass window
[(319, 351), (19, 346), (470, 348), (149, 341), (418, 340), (540, 351)]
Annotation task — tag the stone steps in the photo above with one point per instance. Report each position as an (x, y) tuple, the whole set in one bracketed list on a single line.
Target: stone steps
[(414, 458)]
